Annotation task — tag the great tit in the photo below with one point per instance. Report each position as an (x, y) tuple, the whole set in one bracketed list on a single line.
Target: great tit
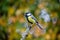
[(31, 19)]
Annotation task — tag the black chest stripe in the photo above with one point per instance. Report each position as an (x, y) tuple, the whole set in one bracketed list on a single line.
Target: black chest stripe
[(29, 21)]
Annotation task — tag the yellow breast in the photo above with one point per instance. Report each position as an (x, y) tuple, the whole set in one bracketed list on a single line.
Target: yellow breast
[(31, 19)]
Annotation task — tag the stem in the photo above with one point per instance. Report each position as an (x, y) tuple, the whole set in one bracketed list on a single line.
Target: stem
[(24, 35)]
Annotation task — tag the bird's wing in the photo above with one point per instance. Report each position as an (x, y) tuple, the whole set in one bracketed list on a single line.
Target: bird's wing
[(40, 26)]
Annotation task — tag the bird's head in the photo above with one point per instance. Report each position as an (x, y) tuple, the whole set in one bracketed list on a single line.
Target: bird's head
[(28, 14)]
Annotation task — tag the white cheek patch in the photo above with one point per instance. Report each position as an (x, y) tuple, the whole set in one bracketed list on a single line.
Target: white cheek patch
[(29, 14)]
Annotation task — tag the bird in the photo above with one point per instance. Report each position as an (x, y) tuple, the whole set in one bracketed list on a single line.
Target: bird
[(31, 19)]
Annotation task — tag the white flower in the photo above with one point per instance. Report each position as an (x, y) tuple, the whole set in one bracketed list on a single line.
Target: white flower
[(44, 15)]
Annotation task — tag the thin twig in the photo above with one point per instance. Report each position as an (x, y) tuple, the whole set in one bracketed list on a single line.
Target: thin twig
[(24, 35)]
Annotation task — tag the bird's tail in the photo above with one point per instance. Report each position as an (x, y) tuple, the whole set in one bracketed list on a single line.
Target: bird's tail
[(41, 27)]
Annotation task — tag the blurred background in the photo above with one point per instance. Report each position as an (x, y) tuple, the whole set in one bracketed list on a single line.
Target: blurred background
[(13, 23)]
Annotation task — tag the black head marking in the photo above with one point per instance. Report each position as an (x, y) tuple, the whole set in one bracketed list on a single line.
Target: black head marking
[(26, 14)]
